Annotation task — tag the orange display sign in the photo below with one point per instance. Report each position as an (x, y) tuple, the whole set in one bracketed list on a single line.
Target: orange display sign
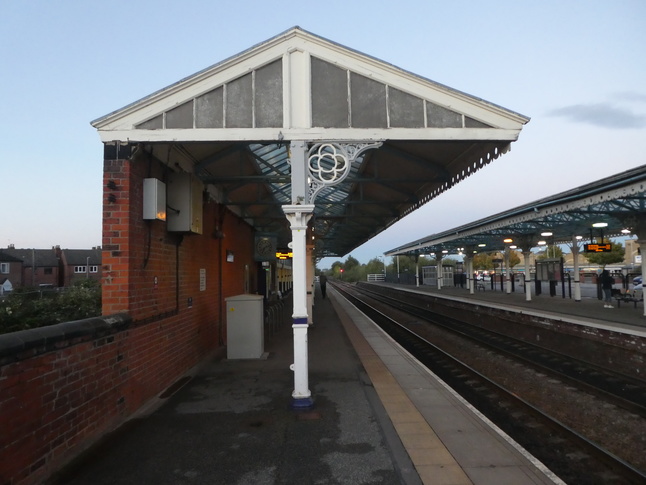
[(598, 248), (280, 255)]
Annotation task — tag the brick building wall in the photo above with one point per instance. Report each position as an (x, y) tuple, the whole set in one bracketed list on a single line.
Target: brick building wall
[(12, 271), (41, 276), (65, 393)]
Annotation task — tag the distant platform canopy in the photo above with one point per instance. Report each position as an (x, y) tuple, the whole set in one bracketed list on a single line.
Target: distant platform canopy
[(610, 207), (231, 125)]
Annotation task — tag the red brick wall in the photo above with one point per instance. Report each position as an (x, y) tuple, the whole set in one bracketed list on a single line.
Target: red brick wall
[(29, 278), (142, 261), (55, 404), (14, 275)]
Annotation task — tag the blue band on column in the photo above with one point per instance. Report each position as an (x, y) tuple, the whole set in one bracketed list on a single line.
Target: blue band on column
[(300, 321), (302, 403)]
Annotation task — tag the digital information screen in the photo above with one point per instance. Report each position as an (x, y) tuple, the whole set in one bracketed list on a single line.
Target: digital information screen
[(598, 248)]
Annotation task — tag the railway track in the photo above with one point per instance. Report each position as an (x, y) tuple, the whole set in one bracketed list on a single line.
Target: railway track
[(566, 452), (614, 387)]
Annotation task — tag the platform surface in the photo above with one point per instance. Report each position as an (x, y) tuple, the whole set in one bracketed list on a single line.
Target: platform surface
[(378, 418)]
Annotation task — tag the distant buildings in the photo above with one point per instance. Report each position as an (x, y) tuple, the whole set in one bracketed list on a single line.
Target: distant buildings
[(47, 268)]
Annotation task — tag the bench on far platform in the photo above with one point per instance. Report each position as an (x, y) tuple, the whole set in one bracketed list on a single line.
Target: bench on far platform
[(633, 297)]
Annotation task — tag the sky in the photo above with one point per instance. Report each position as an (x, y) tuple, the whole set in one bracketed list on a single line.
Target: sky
[(576, 68)]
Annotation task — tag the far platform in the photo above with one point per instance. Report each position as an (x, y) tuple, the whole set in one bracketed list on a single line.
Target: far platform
[(587, 311)]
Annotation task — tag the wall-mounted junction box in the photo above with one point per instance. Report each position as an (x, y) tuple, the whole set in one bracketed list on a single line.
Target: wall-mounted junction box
[(154, 199), (184, 203)]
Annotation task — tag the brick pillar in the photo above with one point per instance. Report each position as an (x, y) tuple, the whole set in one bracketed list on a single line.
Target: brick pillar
[(117, 217)]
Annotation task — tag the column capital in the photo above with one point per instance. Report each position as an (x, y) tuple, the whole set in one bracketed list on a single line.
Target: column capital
[(298, 215)]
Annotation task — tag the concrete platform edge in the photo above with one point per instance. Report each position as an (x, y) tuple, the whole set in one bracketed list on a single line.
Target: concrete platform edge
[(353, 334)]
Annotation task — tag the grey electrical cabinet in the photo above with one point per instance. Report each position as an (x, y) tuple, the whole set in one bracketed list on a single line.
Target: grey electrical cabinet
[(245, 327), (184, 203), (154, 199)]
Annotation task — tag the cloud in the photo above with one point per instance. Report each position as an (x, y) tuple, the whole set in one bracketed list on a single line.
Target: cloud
[(630, 96), (604, 114)]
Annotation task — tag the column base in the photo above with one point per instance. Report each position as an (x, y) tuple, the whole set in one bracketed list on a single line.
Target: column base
[(302, 402)]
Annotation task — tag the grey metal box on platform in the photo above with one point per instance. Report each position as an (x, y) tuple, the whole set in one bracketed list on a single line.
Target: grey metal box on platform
[(245, 327), (184, 203)]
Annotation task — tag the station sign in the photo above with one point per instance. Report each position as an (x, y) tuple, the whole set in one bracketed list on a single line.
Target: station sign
[(598, 248)]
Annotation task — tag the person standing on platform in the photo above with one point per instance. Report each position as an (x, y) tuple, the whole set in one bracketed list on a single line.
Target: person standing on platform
[(606, 285), (323, 283)]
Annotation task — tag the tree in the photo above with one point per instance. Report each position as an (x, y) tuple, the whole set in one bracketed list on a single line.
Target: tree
[(351, 263), (375, 266), (514, 258), (482, 261), (615, 255), (27, 308), (551, 252)]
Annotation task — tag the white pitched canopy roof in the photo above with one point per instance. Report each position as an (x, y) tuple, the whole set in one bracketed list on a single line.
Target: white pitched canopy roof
[(230, 124)]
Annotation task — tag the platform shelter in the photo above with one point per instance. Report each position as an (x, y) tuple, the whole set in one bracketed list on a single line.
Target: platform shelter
[(581, 218), (297, 144)]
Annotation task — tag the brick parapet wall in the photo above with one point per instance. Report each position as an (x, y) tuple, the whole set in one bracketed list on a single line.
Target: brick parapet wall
[(59, 397), (62, 393)]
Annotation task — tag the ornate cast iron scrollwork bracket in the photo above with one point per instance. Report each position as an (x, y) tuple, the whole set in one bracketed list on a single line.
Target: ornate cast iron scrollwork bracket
[(329, 164)]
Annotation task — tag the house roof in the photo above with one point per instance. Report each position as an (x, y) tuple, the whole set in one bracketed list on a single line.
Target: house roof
[(7, 258), (79, 257), (618, 201), (34, 257), (231, 123)]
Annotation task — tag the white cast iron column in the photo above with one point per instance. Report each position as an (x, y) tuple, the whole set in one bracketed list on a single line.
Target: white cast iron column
[(508, 273), (639, 230), (299, 216), (468, 256), (642, 245), (577, 274), (312, 169), (528, 273)]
